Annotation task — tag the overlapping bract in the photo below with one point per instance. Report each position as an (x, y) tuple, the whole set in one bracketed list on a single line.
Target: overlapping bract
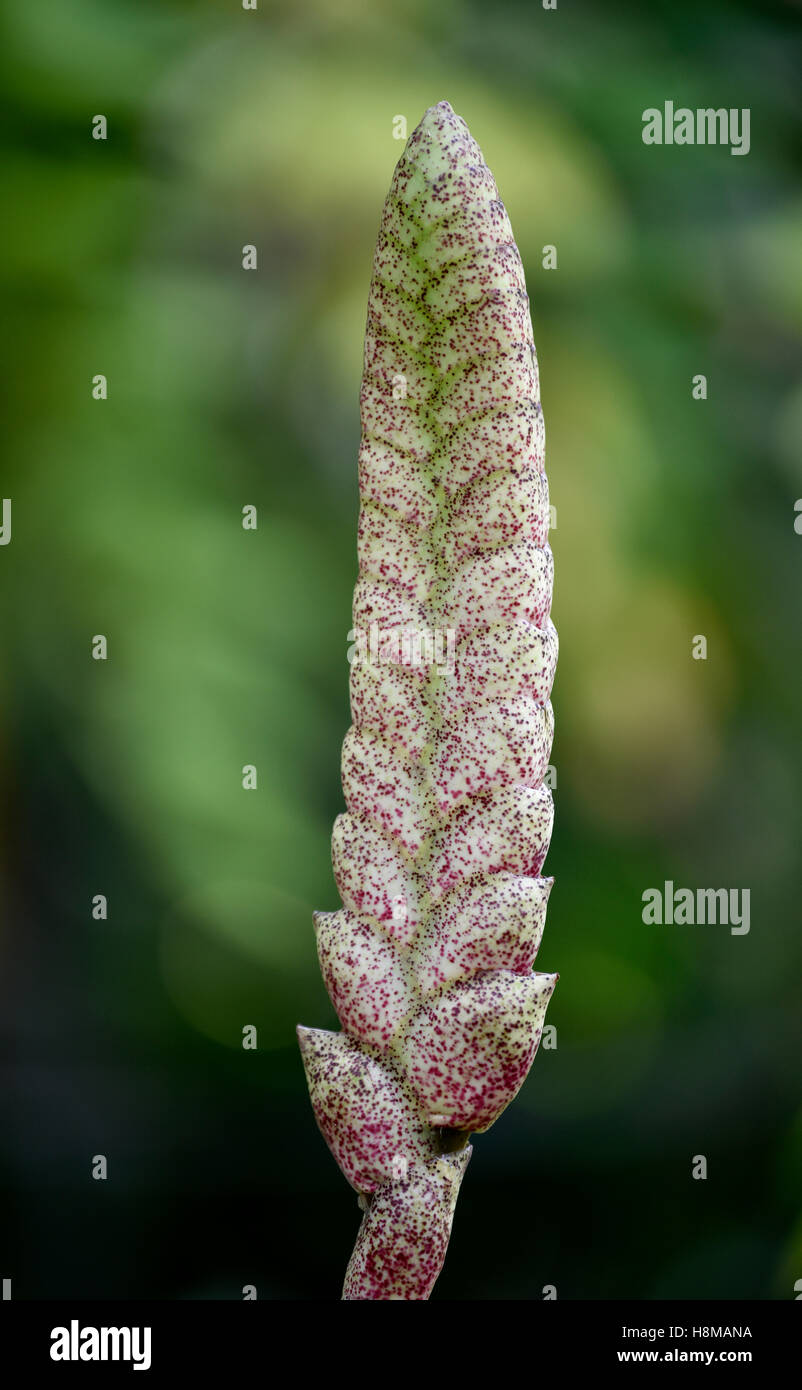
[(437, 858)]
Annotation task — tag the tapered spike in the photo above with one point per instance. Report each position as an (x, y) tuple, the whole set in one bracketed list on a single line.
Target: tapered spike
[(437, 858)]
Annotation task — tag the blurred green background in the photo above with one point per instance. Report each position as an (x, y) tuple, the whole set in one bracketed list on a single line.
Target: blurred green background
[(225, 647)]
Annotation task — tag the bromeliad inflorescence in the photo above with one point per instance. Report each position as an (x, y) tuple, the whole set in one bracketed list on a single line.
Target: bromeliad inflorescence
[(437, 860)]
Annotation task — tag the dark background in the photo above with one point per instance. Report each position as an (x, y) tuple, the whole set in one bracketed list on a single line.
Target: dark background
[(674, 518)]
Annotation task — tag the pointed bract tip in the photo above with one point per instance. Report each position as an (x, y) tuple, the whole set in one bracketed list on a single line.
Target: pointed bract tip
[(309, 1039), (439, 121), (435, 115)]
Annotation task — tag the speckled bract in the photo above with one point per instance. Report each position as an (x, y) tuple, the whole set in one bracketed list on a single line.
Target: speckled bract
[(429, 963)]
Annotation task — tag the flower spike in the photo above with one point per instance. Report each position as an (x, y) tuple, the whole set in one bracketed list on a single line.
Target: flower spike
[(437, 858)]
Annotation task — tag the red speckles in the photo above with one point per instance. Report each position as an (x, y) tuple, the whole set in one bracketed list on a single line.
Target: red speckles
[(388, 550), (466, 1054), (500, 436), (391, 479), (380, 788), (405, 430), (504, 831), (368, 1117), (476, 279), (492, 922), (364, 977), (492, 325), (385, 605), (502, 741), (429, 963), (371, 877), (510, 585), (404, 1234), (497, 510), (501, 661), (389, 700)]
